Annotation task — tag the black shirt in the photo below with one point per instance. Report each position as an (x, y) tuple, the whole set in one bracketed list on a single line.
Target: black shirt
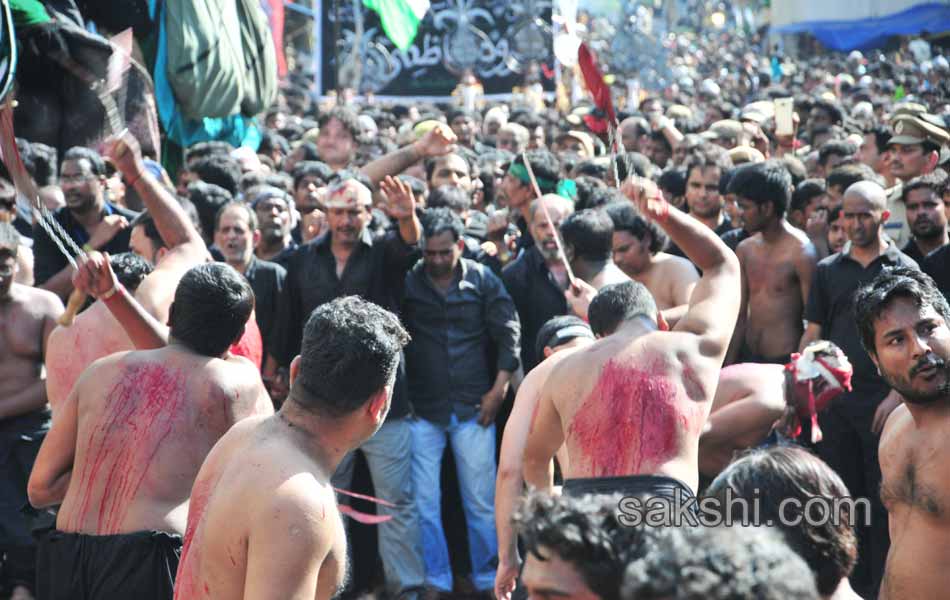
[(912, 250), (830, 304), (376, 271), (937, 265), (48, 260), (454, 334), (267, 281), (723, 228), (537, 296)]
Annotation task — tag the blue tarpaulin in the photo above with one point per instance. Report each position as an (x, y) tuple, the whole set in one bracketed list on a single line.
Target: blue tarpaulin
[(864, 34)]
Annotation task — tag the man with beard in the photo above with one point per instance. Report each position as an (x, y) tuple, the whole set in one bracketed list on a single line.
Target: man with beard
[(87, 217), (704, 171), (852, 422), (903, 320), (915, 151), (537, 279), (235, 235), (274, 210), (925, 215), (27, 317), (517, 194), (777, 265)]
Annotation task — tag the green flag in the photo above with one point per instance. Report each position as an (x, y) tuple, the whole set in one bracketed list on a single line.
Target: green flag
[(400, 18)]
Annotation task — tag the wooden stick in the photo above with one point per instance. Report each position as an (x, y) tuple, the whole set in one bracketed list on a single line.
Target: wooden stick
[(76, 299)]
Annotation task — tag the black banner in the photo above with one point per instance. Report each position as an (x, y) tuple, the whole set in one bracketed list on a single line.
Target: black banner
[(497, 39)]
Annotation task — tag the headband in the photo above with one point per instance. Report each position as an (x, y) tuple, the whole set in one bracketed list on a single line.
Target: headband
[(566, 334), (566, 188)]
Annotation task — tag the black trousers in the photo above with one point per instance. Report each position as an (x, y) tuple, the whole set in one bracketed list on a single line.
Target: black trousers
[(850, 447), (76, 566)]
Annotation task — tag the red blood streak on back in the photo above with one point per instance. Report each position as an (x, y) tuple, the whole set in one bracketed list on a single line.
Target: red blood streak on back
[(140, 414), (250, 346), (630, 422), (185, 584)]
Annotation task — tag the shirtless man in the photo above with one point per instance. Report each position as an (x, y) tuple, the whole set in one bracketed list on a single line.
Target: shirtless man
[(904, 323), (95, 332), (135, 429), (752, 399), (556, 339), (27, 316), (588, 237), (778, 262), (631, 406), (637, 250), (264, 522)]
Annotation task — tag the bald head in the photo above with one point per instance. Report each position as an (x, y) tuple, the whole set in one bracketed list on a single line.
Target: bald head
[(555, 204), (870, 192)]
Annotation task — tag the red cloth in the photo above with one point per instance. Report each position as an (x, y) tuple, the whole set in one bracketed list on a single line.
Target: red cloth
[(250, 346), (274, 9)]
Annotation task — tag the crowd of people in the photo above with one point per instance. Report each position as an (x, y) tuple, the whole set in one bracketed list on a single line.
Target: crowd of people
[(719, 309)]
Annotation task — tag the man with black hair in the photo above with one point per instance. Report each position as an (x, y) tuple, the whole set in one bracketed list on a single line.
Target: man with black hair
[(576, 548), (537, 279), (219, 170), (464, 125), (451, 169), (777, 265), (717, 563), (925, 215), (915, 151), (638, 250), (588, 239), (309, 178), (875, 153), (457, 312), (27, 317), (904, 322), (833, 153), (264, 521), (851, 424), (87, 218), (348, 259), (823, 116), (274, 210), (651, 387), (123, 512), (236, 233), (516, 193), (704, 198), (337, 141), (807, 197), (781, 480), (557, 338), (207, 199)]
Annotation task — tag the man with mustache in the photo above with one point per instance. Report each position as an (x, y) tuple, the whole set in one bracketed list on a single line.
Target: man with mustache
[(915, 151), (852, 422), (903, 320), (925, 215)]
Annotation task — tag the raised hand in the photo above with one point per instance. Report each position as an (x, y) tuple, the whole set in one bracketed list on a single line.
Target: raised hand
[(126, 154), (647, 197), (400, 202), (94, 275), (439, 141)]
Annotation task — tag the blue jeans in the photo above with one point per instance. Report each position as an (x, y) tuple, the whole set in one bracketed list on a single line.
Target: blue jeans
[(474, 449), (388, 454)]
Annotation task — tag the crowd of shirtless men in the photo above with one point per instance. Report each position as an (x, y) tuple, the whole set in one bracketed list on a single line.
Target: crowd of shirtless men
[(705, 372)]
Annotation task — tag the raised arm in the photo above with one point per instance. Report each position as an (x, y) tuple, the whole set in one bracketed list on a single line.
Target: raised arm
[(714, 305), (95, 278), (438, 141)]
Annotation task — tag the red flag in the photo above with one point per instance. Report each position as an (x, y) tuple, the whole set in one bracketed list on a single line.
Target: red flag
[(274, 9), (594, 80)]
